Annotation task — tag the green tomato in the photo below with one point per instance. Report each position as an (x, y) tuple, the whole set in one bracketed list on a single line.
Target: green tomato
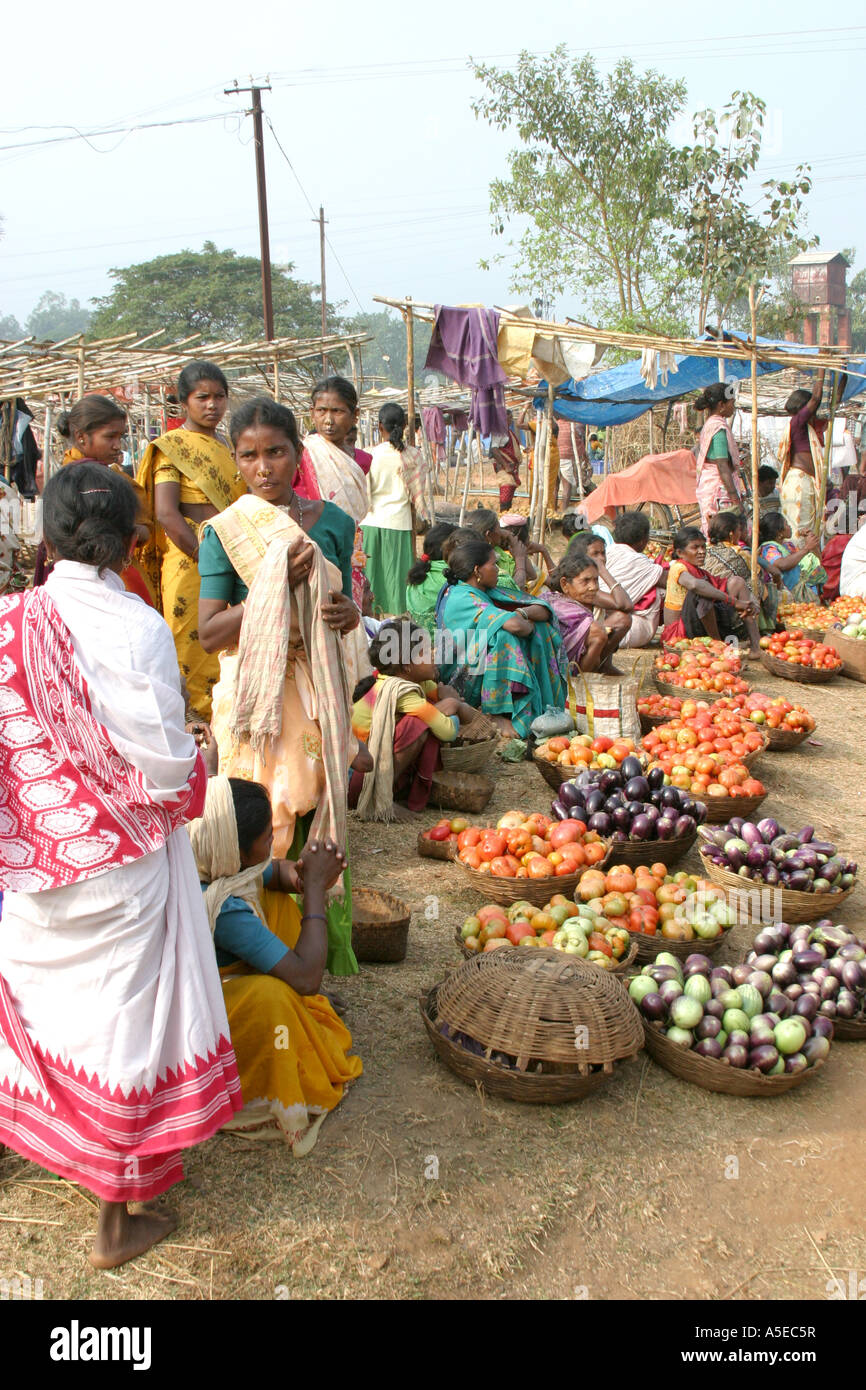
[(641, 985), (789, 1035)]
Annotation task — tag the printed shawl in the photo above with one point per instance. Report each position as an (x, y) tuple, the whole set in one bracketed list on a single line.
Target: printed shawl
[(76, 799), (256, 537)]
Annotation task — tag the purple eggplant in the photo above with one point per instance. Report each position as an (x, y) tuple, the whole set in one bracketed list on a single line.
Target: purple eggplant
[(653, 1006), (641, 828), (816, 1049), (750, 833), (709, 1047), (631, 767), (735, 1055), (822, 1027), (768, 830), (764, 1057), (601, 823), (685, 825), (559, 811)]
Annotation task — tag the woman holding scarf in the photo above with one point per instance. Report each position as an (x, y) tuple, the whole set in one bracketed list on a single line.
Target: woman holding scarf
[(275, 607)]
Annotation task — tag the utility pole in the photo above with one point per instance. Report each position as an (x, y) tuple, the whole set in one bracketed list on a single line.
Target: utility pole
[(264, 237), (322, 224)]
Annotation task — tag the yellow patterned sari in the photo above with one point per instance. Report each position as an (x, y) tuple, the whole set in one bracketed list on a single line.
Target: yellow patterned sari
[(206, 472)]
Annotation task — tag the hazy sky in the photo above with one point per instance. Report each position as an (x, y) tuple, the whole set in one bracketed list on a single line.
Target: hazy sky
[(372, 105)]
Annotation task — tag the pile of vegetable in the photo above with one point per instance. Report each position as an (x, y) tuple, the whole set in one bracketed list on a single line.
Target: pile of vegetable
[(626, 804), (734, 1014), (793, 647), (446, 830), (766, 853), (533, 846), (855, 627), (658, 706), (701, 750), (702, 664), (561, 924), (650, 901), (582, 750), (776, 713), (820, 969)]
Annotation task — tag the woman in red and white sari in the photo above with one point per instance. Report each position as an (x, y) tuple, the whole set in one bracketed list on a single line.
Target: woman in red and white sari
[(718, 487), (114, 1043)]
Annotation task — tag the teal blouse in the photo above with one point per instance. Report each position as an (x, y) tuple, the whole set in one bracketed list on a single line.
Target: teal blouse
[(334, 534)]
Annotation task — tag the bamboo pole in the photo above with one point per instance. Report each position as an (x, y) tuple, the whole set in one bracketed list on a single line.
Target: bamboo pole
[(578, 470), (410, 369), (427, 452), (545, 481), (534, 486), (276, 376), (470, 434), (47, 459), (828, 449), (755, 448)]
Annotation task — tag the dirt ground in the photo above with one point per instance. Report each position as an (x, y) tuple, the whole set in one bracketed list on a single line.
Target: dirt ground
[(421, 1187)]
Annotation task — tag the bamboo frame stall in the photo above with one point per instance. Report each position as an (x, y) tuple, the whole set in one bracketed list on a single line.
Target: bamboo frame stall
[(723, 348)]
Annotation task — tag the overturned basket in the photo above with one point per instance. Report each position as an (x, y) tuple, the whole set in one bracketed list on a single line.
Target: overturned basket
[(460, 791), (536, 1026), (380, 926), (474, 749), (714, 1075), (789, 905), (793, 671)]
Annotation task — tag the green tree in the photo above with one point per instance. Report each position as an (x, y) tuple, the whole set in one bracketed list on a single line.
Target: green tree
[(597, 177), (55, 317), (212, 292), (10, 328), (857, 303), (729, 238)]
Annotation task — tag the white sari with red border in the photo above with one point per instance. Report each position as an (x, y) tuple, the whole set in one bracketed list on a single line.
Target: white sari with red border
[(114, 1043)]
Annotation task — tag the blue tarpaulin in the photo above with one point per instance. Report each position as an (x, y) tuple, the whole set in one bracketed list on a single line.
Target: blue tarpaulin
[(617, 396)]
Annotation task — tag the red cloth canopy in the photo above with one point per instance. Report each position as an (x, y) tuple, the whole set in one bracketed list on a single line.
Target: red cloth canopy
[(669, 478)]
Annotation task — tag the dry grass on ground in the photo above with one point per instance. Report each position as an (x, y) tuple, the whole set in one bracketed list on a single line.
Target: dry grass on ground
[(624, 1194)]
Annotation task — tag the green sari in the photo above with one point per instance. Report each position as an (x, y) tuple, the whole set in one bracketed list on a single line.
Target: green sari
[(516, 676), (421, 598)]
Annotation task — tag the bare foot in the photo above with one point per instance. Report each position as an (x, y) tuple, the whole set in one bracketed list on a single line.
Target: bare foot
[(336, 1001), (402, 813), (505, 726), (122, 1236)]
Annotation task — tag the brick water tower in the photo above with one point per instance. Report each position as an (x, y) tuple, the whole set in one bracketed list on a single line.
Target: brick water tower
[(818, 282)]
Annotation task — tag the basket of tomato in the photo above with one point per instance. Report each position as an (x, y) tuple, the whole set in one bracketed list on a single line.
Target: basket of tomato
[(795, 657), (659, 910), (521, 855), (558, 759)]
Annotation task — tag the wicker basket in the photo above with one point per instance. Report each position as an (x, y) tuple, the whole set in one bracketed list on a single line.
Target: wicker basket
[(852, 651), (534, 890), (781, 739), (680, 692), (460, 791), (652, 721), (625, 963), (648, 947), (721, 808), (436, 849), (474, 749), (380, 925), (533, 1006), (715, 1075), (815, 633), (554, 774), (795, 907), (849, 1029), (633, 852), (793, 671)]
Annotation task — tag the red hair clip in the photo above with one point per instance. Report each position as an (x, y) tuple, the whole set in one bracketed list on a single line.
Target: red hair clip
[(425, 556)]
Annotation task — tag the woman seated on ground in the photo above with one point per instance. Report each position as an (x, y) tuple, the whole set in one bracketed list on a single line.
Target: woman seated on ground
[(515, 525), (727, 555), (614, 599), (698, 603), (626, 568), (402, 716), (512, 554), (426, 578), (291, 1049), (511, 645), (573, 594), (799, 571)]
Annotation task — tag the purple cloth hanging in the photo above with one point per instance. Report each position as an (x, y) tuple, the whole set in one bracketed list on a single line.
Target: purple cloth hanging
[(464, 347), (434, 424), (460, 421)]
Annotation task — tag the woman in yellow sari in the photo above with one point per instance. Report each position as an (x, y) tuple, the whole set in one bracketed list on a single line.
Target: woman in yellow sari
[(291, 1048), (275, 608), (190, 477)]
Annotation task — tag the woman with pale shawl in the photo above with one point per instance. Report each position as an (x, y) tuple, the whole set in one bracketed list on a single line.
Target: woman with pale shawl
[(275, 607), (291, 1048)]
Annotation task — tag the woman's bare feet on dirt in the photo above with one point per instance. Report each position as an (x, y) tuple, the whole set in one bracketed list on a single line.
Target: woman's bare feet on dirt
[(122, 1235), (504, 726)]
